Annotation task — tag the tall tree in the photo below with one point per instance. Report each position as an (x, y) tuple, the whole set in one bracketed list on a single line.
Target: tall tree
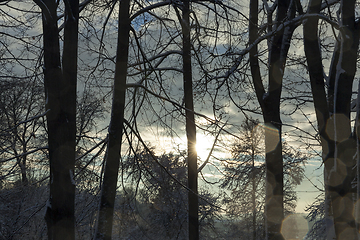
[(314, 60), (333, 115), (245, 177), (112, 157), (345, 141), (60, 88), (270, 105), (22, 125), (190, 124)]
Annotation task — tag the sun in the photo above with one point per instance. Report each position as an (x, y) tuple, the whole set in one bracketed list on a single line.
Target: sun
[(203, 146)]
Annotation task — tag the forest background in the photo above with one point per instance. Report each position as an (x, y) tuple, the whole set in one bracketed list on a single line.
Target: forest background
[(178, 119)]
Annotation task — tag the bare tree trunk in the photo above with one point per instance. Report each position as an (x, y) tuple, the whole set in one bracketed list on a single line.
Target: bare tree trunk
[(270, 105), (356, 130), (60, 87), (193, 201), (333, 116), (112, 157), (343, 171), (315, 67), (253, 194), (22, 163)]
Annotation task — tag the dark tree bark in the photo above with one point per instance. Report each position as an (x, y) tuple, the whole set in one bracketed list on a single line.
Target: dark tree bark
[(333, 116), (60, 87), (270, 105), (322, 109), (345, 147), (255, 73), (253, 181), (112, 157), (190, 126)]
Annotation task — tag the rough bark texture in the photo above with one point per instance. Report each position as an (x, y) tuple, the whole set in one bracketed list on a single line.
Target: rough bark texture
[(112, 157), (190, 127), (60, 87)]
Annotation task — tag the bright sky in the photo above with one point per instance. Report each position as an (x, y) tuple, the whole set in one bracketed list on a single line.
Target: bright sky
[(306, 191)]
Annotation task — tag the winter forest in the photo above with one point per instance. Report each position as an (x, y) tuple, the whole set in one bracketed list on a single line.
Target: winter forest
[(179, 119)]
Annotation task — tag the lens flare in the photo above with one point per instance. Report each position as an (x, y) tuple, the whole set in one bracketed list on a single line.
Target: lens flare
[(294, 226)]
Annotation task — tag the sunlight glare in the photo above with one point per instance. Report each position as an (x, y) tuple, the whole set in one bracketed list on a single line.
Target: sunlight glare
[(203, 145)]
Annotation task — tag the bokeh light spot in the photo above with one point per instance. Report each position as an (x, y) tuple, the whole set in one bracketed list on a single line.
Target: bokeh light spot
[(337, 177), (356, 211), (348, 233), (342, 204), (272, 137), (342, 127), (294, 226)]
